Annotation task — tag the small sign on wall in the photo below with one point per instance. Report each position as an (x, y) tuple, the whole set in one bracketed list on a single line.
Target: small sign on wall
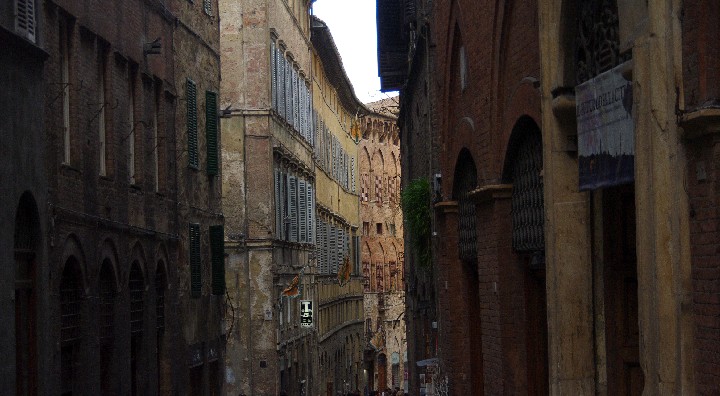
[(306, 313)]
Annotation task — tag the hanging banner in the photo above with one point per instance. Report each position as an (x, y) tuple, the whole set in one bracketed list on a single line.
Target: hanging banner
[(306, 313), (606, 133)]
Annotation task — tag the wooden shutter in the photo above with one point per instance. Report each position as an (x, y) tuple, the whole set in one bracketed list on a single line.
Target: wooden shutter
[(352, 175), (25, 19), (192, 121), (195, 261), (293, 207), (302, 210), (211, 124), (273, 75), (278, 205), (217, 254), (281, 83), (288, 91), (311, 212)]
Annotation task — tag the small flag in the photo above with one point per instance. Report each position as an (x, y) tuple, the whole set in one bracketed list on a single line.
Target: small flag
[(344, 272), (378, 340), (293, 289)]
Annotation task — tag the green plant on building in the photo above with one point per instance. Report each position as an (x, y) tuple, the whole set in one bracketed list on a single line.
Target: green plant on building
[(416, 205)]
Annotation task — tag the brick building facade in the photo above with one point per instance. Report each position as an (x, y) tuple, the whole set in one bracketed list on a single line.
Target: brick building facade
[(573, 288), (106, 235), (382, 252)]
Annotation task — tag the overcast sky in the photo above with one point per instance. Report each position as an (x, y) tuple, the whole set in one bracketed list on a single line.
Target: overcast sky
[(352, 24)]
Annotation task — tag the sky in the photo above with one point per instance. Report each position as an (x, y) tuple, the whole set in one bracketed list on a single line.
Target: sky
[(352, 24)]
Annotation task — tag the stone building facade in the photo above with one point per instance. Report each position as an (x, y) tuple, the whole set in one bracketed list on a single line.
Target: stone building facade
[(382, 252), (102, 229), (579, 282), (291, 201), (340, 302), (24, 191)]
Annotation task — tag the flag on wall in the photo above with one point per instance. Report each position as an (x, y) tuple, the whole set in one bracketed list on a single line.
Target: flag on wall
[(293, 289), (344, 272)]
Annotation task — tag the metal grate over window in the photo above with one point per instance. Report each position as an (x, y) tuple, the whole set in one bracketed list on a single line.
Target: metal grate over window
[(71, 294), (107, 302), (160, 282), (597, 47), (527, 196), (136, 285), (465, 182)]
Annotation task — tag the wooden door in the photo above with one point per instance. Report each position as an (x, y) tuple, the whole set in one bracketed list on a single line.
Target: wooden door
[(625, 376), (536, 331)]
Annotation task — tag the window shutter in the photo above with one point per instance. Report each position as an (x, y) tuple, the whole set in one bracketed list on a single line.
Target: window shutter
[(352, 174), (339, 241), (356, 250), (288, 91), (302, 209), (278, 205), (332, 250), (195, 258), (281, 83), (217, 254), (311, 212), (293, 207), (273, 75), (296, 100), (25, 19), (192, 121), (211, 125), (207, 6)]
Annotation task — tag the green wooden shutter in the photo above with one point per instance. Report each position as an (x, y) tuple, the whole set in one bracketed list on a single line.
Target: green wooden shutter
[(217, 254), (192, 121), (195, 260), (211, 126)]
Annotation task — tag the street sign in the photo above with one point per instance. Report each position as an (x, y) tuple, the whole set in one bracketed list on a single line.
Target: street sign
[(306, 313)]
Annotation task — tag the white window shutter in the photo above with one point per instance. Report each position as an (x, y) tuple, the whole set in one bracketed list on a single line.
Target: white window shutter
[(281, 83)]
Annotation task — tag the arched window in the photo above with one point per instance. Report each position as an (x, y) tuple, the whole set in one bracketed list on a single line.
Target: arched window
[(136, 286), (107, 290), (160, 287), (71, 315), (27, 235), (465, 181)]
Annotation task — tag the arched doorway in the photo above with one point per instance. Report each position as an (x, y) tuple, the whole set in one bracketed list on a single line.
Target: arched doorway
[(136, 286), (107, 288), (523, 169), (465, 181), (72, 296), (26, 244)]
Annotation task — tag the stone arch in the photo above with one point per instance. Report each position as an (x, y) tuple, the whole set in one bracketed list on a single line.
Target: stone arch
[(464, 181), (137, 255), (108, 253), (26, 246), (73, 249)]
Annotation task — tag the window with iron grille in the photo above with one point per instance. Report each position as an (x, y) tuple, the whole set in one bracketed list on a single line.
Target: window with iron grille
[(465, 181), (366, 276), (107, 302), (136, 286), (71, 295), (597, 43), (527, 196), (195, 258), (160, 287)]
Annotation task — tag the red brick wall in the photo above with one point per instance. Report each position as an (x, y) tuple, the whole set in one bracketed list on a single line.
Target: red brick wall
[(701, 80), (502, 52)]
